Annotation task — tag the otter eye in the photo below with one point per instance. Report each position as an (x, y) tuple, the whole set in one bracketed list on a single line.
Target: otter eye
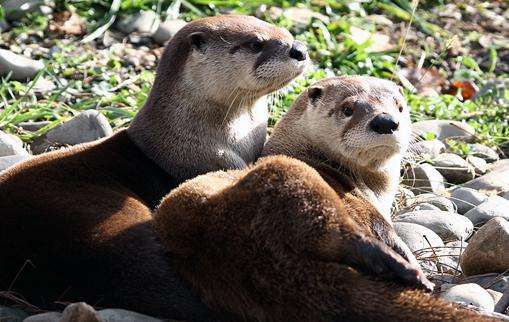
[(255, 46), (400, 108), (348, 111)]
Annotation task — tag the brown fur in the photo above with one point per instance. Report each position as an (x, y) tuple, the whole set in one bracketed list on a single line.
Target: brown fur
[(82, 216), (263, 258), (284, 242)]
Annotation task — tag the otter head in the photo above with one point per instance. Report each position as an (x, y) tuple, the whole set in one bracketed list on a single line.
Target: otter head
[(360, 120), (226, 56)]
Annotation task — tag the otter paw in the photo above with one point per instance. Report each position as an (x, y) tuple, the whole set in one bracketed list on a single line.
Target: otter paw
[(375, 258)]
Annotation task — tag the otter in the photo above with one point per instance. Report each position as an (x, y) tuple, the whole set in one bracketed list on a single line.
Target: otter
[(304, 237), (76, 223)]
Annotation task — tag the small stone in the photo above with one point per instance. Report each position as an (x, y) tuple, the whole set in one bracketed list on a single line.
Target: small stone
[(167, 30), (43, 86), (420, 206), (88, 126), (496, 296), (413, 236), (493, 281), (45, 317), (494, 206), (480, 165), (495, 181), (487, 250), (424, 178), (119, 315), (471, 294), (449, 226), (466, 199), (445, 129), (454, 168), (441, 202), (501, 166), (21, 68), (33, 126), (4, 26), (484, 152), (10, 145), (11, 315), (17, 9), (302, 17), (145, 22), (428, 149), (10, 160), (80, 312)]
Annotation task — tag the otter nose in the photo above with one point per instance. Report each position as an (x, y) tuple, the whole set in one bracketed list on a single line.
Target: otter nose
[(298, 51), (384, 124)]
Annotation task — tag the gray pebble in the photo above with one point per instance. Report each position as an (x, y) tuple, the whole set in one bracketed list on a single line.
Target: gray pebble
[(466, 199), (440, 202), (471, 294), (480, 165), (10, 160), (412, 235), (8, 314), (423, 178), (444, 129), (167, 30), (86, 127), (449, 226), (494, 206), (484, 152), (21, 68), (428, 149), (145, 22), (454, 168), (10, 145)]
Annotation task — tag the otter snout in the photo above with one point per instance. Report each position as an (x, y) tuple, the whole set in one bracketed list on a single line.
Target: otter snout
[(384, 124), (298, 51)]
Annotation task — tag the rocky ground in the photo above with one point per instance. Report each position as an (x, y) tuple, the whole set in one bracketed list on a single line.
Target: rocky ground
[(66, 83)]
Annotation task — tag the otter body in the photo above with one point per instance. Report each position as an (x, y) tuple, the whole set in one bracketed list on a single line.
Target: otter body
[(82, 216), (84, 223), (303, 241)]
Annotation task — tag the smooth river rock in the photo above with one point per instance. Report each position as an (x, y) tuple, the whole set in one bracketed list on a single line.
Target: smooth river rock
[(413, 236), (449, 226), (21, 68), (466, 199), (423, 178), (494, 206), (87, 126), (445, 129), (488, 250), (471, 294), (454, 168)]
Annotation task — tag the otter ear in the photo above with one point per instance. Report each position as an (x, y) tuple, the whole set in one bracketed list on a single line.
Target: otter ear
[(197, 40), (314, 93)]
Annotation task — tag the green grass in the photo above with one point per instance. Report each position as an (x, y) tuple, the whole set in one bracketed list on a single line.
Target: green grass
[(109, 84)]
